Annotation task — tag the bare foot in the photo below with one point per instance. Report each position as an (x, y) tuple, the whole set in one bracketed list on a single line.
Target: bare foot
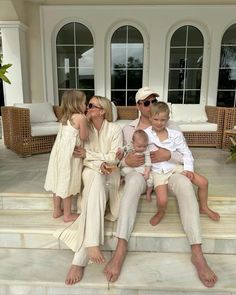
[(148, 198), (75, 274), (205, 273), (95, 254), (113, 267), (157, 218), (210, 213), (71, 217), (57, 213)]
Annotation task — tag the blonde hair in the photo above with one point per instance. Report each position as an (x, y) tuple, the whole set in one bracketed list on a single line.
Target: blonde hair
[(140, 134), (105, 103), (71, 103), (159, 107)]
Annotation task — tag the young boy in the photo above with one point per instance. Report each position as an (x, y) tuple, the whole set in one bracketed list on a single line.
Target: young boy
[(160, 135)]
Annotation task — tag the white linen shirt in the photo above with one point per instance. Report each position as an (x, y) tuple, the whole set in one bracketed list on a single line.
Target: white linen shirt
[(174, 142)]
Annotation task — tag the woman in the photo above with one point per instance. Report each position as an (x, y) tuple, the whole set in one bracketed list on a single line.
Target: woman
[(86, 234)]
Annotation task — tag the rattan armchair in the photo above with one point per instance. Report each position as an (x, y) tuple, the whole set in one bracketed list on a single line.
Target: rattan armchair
[(229, 123), (17, 132)]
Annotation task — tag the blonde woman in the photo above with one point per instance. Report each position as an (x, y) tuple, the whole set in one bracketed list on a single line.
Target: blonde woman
[(101, 184), (64, 171)]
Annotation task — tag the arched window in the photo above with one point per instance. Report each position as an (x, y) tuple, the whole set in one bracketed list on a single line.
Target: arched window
[(185, 65), (75, 59), (226, 94), (126, 65)]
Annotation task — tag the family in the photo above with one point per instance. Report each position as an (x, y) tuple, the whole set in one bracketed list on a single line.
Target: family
[(89, 156)]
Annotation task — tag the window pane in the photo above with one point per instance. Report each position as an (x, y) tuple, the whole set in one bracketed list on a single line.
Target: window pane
[(228, 57), (118, 55), (176, 79), (134, 78), (66, 34), (226, 98), (193, 79), (227, 79), (177, 56), (118, 97), (135, 56), (195, 37), (131, 98), (118, 79), (65, 56), (230, 36), (66, 78), (84, 56), (175, 96), (179, 37), (134, 36), (192, 97), (120, 35), (194, 57), (83, 35), (89, 94), (85, 78)]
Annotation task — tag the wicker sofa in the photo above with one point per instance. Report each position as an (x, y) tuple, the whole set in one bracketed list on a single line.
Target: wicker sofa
[(17, 131), (205, 133), (229, 124)]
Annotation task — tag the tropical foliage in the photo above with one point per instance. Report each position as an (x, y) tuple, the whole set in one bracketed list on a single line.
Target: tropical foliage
[(3, 71)]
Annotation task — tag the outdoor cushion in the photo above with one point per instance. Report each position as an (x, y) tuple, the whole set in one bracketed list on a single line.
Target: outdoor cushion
[(44, 128), (188, 113), (197, 126)]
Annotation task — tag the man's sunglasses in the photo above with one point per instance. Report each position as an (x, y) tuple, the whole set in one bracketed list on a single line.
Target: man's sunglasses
[(146, 103), (93, 106)]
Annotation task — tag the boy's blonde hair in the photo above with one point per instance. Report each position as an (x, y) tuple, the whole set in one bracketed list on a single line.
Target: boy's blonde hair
[(159, 107), (71, 103), (140, 134), (105, 103)]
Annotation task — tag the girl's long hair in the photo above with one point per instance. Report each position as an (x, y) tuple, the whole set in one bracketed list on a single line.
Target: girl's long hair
[(71, 103)]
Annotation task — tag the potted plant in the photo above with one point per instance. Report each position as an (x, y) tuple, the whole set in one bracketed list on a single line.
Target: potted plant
[(3, 71)]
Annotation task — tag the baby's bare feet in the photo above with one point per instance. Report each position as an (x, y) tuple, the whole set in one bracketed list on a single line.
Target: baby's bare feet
[(71, 217), (157, 218), (75, 274), (95, 254)]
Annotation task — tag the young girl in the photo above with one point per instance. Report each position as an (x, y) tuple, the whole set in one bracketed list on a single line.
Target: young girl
[(64, 171)]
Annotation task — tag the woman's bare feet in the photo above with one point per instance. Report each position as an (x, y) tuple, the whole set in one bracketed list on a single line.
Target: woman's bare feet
[(57, 213), (71, 217), (95, 254), (210, 213), (205, 273), (157, 218), (75, 274)]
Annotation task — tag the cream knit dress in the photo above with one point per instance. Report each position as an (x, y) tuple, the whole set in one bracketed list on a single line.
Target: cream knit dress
[(64, 171)]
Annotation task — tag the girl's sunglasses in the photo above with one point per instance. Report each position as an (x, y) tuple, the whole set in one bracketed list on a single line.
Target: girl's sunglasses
[(146, 103), (93, 106)]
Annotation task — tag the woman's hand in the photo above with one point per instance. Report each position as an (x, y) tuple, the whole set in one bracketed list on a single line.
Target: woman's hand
[(119, 154), (104, 169), (160, 155), (134, 160), (79, 152)]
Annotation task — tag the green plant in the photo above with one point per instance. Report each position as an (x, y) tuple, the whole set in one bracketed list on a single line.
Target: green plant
[(3, 71), (233, 149)]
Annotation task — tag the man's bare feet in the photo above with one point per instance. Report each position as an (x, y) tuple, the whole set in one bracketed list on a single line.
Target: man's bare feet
[(71, 217), (205, 273), (74, 275), (210, 213), (113, 267), (157, 218), (57, 213), (95, 254)]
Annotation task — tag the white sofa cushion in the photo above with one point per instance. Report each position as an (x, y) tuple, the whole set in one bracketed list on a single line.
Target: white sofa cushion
[(114, 112), (39, 112), (188, 112), (44, 128), (198, 126)]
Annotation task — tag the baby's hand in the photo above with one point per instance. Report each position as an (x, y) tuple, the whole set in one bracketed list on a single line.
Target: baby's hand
[(119, 154), (188, 174)]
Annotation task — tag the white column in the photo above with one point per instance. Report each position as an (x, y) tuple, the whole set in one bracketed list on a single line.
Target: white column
[(14, 52)]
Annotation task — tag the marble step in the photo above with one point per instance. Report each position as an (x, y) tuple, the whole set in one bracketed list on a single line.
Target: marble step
[(43, 202), (42, 272), (25, 229)]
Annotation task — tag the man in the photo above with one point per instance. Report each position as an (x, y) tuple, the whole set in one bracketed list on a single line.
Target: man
[(135, 186)]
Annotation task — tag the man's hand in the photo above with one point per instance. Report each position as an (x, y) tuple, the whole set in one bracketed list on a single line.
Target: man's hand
[(160, 155), (79, 152), (134, 160), (188, 174)]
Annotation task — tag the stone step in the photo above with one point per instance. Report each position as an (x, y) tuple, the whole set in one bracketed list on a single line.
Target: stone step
[(42, 272), (25, 229), (43, 202)]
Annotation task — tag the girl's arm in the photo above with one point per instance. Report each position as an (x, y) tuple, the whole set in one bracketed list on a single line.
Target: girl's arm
[(81, 122)]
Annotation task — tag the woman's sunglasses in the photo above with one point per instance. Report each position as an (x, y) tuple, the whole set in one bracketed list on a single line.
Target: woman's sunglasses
[(146, 103), (93, 106)]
